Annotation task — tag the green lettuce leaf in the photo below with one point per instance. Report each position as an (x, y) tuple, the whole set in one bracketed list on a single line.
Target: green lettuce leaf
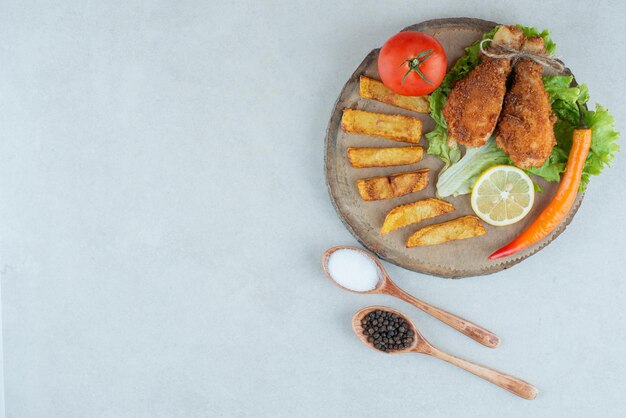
[(558, 88), (459, 178), (603, 134), (603, 139), (438, 145)]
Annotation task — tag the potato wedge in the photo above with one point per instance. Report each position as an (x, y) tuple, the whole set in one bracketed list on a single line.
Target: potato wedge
[(395, 127), (413, 213), (384, 157), (376, 90), (396, 185), (456, 229)]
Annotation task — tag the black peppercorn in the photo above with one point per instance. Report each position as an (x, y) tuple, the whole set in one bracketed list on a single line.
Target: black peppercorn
[(387, 331)]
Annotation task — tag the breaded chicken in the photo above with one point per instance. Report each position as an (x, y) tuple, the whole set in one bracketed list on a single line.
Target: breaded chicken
[(475, 102), (525, 129)]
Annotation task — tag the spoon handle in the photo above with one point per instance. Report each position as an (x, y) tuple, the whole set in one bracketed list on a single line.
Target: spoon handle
[(475, 332), (510, 383)]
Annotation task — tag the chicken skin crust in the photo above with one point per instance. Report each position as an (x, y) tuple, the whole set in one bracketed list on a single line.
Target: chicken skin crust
[(526, 126), (475, 102)]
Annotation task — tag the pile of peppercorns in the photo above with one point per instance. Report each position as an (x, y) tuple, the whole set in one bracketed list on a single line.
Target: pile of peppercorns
[(387, 331)]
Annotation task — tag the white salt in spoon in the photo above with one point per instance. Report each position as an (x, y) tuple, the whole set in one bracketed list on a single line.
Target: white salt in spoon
[(358, 271)]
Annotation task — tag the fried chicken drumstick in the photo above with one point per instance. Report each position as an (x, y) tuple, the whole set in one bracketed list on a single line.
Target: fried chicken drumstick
[(525, 128), (474, 104)]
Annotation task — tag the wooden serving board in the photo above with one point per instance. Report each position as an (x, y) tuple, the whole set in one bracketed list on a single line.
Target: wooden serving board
[(364, 219)]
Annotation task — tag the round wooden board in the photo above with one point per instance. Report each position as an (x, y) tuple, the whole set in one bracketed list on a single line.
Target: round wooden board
[(363, 219)]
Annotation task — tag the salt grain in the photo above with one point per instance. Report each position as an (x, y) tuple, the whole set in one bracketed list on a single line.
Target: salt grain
[(353, 270)]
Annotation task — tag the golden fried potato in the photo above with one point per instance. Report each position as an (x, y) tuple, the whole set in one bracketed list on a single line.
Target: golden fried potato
[(456, 229), (384, 157), (388, 187), (395, 127), (376, 90), (413, 213)]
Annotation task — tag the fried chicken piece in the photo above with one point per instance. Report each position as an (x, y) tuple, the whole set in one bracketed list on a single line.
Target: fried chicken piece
[(475, 102), (525, 129)]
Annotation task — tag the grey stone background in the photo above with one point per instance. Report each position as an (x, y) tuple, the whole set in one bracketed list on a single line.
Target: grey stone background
[(163, 211)]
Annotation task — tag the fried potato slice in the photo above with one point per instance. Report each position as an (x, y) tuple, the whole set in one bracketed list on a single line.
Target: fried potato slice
[(388, 187), (384, 157), (395, 127), (376, 90), (413, 213), (456, 229)]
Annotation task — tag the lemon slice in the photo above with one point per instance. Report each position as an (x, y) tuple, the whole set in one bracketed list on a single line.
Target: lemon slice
[(503, 195)]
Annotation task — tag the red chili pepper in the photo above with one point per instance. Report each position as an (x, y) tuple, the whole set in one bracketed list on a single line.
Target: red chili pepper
[(562, 202)]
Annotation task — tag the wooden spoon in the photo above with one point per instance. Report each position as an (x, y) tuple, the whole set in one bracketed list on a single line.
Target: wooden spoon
[(421, 345), (388, 287)]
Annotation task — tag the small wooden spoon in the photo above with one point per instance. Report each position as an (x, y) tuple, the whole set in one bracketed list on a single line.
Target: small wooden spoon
[(421, 345), (388, 287)]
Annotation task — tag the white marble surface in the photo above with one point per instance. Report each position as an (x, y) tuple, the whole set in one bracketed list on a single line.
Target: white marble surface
[(164, 210)]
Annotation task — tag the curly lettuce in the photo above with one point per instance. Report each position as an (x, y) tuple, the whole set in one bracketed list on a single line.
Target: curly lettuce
[(564, 99), (460, 171), (460, 177)]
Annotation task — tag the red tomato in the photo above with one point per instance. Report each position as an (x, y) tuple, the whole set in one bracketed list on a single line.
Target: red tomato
[(412, 63)]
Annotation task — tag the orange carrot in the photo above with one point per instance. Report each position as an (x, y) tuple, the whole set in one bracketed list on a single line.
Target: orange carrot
[(562, 202)]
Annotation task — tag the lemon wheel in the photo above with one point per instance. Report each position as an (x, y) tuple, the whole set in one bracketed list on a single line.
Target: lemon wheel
[(503, 195)]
